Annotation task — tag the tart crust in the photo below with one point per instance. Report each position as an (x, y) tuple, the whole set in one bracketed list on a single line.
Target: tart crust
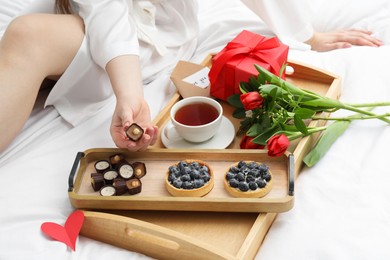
[(198, 192), (258, 193)]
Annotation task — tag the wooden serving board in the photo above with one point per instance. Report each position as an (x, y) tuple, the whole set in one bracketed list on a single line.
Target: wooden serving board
[(154, 195), (204, 235)]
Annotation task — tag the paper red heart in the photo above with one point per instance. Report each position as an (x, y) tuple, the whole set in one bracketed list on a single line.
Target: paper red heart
[(69, 232)]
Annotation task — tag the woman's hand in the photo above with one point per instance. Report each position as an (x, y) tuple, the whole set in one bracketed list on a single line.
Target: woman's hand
[(124, 115), (131, 107), (328, 41)]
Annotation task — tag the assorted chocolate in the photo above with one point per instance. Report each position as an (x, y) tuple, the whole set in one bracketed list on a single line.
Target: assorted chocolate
[(117, 176), (134, 132)]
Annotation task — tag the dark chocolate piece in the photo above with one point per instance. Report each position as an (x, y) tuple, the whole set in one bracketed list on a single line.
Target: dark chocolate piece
[(110, 175), (134, 132), (116, 159), (97, 181), (134, 186), (101, 166), (120, 186), (139, 169), (108, 190), (126, 171)]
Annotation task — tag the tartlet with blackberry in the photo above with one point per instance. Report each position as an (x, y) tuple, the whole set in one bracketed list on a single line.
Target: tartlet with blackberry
[(248, 179), (189, 178)]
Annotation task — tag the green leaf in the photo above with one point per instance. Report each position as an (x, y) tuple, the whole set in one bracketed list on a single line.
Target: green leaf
[(244, 87), (239, 113), (322, 103), (264, 136), (304, 113), (328, 137), (298, 122), (254, 130), (235, 101)]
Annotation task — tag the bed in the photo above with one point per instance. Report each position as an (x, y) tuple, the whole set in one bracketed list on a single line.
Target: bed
[(341, 206)]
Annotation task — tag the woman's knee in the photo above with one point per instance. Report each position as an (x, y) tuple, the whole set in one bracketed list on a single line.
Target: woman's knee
[(40, 36)]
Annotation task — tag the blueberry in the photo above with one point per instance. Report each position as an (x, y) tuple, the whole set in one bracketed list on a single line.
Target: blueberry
[(233, 183), (230, 175), (261, 183), (194, 165), (195, 174), (234, 169), (177, 183), (250, 178), (171, 177), (187, 185), (253, 185), (267, 177), (185, 177), (263, 168), (203, 169), (243, 186), (240, 176), (241, 164), (198, 183)]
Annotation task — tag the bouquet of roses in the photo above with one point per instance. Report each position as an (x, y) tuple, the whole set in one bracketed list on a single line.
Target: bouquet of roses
[(274, 112)]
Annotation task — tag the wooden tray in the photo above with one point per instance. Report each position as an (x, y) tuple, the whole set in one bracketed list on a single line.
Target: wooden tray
[(180, 235), (154, 195), (215, 235)]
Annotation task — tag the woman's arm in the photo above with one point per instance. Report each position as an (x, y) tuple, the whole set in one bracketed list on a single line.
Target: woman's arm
[(125, 76), (288, 19), (114, 46)]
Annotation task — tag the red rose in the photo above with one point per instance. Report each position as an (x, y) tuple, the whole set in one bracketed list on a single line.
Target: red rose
[(246, 143), (251, 100), (277, 145)]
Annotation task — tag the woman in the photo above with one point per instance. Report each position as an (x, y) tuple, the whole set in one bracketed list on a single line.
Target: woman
[(103, 47), (40, 46)]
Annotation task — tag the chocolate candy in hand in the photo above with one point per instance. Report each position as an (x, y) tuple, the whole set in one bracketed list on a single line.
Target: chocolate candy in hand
[(134, 132)]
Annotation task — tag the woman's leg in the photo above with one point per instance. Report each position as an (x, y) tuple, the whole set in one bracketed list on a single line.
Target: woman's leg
[(33, 47)]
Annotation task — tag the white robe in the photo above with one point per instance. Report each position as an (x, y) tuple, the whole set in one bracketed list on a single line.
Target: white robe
[(161, 32)]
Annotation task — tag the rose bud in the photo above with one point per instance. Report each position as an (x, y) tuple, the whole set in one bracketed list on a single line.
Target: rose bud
[(246, 143), (251, 100), (277, 145)]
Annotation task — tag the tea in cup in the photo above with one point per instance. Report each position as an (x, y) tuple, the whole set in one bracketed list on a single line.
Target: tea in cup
[(194, 119)]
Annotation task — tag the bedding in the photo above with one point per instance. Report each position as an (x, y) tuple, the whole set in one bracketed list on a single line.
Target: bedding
[(341, 206)]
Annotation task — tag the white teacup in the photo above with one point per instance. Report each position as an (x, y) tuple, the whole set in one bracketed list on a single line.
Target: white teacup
[(194, 119)]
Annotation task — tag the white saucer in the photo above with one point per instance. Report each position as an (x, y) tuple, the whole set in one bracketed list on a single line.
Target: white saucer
[(220, 140)]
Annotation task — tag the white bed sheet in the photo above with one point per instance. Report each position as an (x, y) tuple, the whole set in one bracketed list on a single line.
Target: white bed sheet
[(341, 206)]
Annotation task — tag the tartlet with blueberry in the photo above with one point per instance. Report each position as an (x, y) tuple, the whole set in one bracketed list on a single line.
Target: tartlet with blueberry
[(189, 178), (248, 179)]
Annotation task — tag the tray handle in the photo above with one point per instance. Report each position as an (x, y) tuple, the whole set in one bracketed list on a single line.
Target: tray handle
[(290, 170), (146, 238), (73, 170)]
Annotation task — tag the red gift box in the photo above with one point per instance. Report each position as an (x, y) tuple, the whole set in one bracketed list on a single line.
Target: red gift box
[(235, 63)]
